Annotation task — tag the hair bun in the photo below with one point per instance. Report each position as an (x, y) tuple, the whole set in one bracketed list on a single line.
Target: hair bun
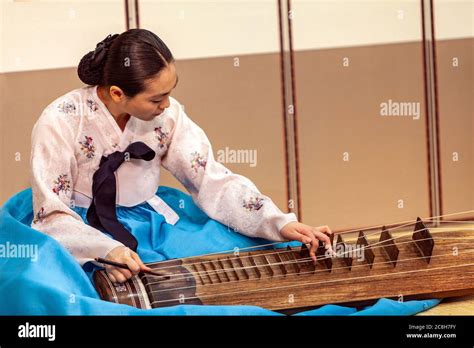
[(91, 66), (89, 75)]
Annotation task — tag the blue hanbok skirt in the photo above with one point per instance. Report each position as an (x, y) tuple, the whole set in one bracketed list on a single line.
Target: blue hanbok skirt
[(55, 284)]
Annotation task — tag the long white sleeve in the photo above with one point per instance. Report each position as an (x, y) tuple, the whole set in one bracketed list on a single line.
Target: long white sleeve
[(229, 198), (53, 169)]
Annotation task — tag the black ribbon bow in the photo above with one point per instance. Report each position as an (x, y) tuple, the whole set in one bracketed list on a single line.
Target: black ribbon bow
[(101, 49), (101, 213)]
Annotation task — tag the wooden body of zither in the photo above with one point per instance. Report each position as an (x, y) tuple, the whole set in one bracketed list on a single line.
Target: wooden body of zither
[(400, 267)]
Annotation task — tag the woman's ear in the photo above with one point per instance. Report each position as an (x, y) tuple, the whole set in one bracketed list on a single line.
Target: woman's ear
[(117, 94)]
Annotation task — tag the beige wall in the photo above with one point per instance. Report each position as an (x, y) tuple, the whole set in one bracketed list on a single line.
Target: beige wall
[(454, 20), (219, 28), (456, 118), (51, 34), (24, 96), (356, 164), (43, 34)]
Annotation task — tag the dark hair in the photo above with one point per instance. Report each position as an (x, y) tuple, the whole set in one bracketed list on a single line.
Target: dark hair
[(125, 60)]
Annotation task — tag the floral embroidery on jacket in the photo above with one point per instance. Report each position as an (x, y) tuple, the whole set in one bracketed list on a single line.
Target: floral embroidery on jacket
[(67, 107), (88, 147), (62, 183), (161, 136), (92, 105), (253, 203), (197, 161), (39, 215)]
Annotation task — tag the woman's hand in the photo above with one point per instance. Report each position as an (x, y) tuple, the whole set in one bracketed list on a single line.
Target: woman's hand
[(123, 254), (308, 234)]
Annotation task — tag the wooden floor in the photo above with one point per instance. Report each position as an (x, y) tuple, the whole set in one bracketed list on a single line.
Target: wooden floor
[(454, 306)]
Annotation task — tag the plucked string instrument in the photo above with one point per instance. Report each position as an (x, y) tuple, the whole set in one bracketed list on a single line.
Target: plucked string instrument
[(434, 262)]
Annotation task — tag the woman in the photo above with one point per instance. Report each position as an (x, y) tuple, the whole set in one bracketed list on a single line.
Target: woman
[(103, 144)]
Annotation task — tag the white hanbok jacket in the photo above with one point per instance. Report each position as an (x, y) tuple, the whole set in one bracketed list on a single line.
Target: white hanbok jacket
[(76, 130)]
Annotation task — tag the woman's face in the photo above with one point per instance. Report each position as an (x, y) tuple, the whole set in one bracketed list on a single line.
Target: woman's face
[(154, 99)]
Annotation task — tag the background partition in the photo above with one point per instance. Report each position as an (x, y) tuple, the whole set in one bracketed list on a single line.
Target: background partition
[(228, 63), (361, 112), (455, 71), (357, 69), (41, 44)]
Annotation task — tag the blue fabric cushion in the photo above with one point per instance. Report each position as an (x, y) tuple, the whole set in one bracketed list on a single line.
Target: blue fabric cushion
[(55, 284)]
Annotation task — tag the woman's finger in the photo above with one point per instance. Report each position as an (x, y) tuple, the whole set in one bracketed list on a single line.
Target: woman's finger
[(119, 277), (324, 229), (127, 258), (125, 272), (140, 262), (324, 237), (134, 267), (111, 277), (294, 235), (116, 271), (314, 244)]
